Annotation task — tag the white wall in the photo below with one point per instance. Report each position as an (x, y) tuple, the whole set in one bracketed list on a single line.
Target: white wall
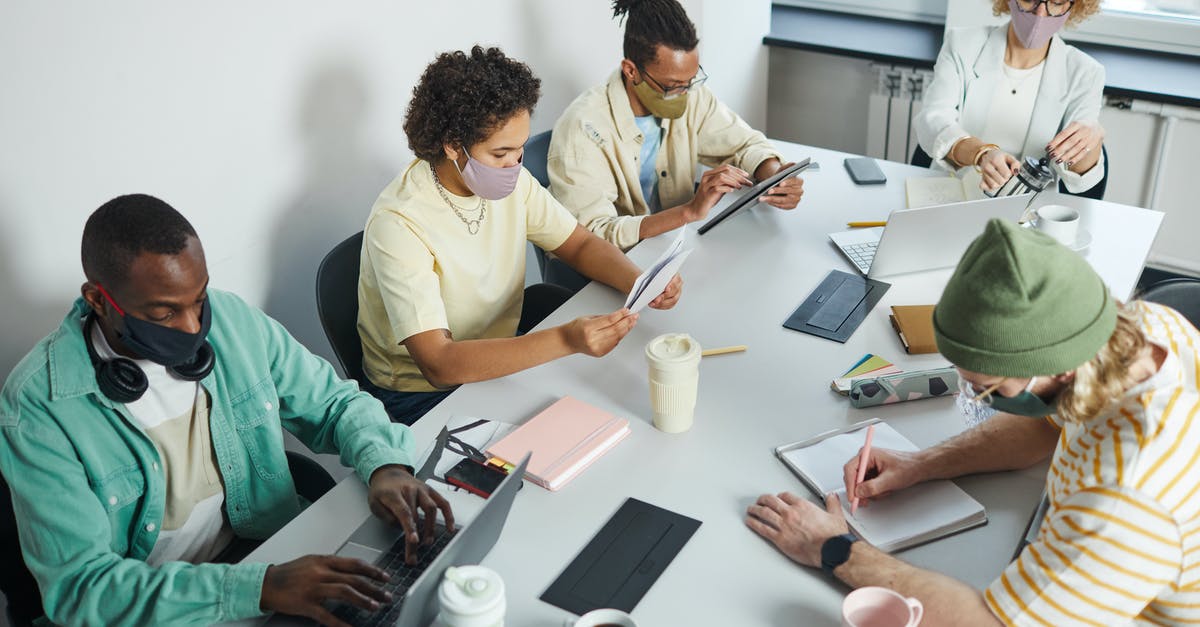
[(271, 124)]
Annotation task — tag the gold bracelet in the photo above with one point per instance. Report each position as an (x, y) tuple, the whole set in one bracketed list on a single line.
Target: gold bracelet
[(979, 155)]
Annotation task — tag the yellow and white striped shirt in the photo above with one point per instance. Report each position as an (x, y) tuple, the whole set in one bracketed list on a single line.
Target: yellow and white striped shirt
[(1120, 543)]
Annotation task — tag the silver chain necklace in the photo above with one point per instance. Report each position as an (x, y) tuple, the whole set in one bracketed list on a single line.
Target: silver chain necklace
[(472, 225)]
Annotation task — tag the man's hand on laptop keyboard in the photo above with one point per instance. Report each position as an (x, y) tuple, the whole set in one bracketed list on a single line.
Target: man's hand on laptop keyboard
[(302, 586), (396, 497)]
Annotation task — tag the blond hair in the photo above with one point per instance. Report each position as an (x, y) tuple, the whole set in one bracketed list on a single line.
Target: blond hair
[(1106, 377), (1080, 11)]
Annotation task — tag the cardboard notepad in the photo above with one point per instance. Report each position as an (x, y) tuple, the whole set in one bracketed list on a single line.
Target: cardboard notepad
[(914, 325), (564, 439), (919, 514)]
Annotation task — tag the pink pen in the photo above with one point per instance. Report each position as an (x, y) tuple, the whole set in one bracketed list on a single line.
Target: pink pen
[(863, 459)]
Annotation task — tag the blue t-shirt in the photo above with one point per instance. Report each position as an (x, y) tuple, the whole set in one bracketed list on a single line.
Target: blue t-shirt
[(651, 129)]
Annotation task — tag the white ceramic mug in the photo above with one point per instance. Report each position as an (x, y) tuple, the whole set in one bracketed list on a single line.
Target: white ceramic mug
[(604, 618), (1058, 221), (674, 361), (879, 607)]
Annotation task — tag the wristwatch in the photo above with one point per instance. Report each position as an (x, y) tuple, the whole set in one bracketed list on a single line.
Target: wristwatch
[(836, 551)]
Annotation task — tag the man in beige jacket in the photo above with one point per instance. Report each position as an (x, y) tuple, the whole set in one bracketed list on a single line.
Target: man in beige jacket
[(624, 155)]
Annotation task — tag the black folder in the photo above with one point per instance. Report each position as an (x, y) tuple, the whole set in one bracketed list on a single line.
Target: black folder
[(623, 559)]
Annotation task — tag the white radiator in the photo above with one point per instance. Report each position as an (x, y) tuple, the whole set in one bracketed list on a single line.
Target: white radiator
[(894, 102)]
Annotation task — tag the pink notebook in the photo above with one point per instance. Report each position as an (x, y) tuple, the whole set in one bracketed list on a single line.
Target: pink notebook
[(564, 439)]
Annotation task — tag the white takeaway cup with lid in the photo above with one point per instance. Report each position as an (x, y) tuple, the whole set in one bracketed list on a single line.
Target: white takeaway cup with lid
[(674, 361), (471, 596)]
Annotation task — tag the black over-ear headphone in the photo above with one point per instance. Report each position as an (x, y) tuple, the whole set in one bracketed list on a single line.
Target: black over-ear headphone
[(123, 381)]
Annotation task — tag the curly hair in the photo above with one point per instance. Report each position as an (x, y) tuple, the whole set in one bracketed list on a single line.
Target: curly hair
[(1105, 377), (1080, 11), (463, 98), (650, 23)]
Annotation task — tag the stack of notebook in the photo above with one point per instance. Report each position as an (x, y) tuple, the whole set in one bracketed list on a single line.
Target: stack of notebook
[(564, 439), (906, 518)]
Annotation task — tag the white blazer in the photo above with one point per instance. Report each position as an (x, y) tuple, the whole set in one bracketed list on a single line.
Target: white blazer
[(965, 78)]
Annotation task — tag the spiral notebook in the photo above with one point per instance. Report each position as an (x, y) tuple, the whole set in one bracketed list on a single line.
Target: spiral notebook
[(916, 515), (564, 438)]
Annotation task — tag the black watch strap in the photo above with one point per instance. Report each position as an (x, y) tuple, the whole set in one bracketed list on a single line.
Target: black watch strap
[(835, 551)]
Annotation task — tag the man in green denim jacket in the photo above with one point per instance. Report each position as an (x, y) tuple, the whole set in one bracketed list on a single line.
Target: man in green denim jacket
[(88, 491)]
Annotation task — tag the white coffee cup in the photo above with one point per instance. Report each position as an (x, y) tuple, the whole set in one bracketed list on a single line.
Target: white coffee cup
[(471, 596), (1058, 221), (674, 361), (879, 607), (603, 618)]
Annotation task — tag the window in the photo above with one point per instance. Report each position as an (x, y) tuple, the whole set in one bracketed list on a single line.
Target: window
[(1162, 9), (1162, 25), (932, 11)]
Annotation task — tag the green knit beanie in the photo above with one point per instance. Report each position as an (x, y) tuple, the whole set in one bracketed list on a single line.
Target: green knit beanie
[(1020, 304)]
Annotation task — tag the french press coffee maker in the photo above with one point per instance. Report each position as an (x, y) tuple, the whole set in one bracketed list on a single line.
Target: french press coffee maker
[(1034, 176)]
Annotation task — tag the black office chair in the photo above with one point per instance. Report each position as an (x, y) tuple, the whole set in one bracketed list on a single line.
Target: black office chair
[(1182, 295), (536, 150), (337, 304), (553, 271), (921, 159)]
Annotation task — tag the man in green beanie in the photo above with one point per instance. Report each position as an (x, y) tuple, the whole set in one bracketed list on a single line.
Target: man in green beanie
[(1109, 391)]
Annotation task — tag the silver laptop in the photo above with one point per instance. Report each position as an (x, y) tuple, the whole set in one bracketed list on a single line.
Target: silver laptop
[(926, 238), (414, 588)]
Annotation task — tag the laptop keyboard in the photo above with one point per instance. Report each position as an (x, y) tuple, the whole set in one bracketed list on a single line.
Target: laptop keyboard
[(402, 578), (861, 255)]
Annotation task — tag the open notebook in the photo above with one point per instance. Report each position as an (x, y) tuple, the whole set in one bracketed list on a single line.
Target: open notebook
[(913, 516)]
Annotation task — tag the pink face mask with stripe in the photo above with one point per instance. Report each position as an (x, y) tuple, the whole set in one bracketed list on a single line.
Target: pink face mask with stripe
[(1032, 29), (487, 181)]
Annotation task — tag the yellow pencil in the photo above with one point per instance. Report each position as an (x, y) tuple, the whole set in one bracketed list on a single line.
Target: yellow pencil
[(855, 225), (723, 350)]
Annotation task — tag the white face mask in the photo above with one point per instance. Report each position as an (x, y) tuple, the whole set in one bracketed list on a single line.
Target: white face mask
[(974, 412)]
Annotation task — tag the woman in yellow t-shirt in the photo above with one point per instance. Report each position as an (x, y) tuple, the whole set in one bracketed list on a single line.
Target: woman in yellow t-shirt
[(441, 290)]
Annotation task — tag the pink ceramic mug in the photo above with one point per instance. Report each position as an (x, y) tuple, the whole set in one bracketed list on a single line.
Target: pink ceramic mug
[(880, 607)]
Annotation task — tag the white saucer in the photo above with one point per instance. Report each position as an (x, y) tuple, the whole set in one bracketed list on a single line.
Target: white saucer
[(1083, 239)]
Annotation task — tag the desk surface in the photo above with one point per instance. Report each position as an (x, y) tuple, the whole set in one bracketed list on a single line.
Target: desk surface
[(741, 282), (1129, 73)]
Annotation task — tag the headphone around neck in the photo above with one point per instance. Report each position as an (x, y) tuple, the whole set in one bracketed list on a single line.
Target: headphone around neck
[(123, 381)]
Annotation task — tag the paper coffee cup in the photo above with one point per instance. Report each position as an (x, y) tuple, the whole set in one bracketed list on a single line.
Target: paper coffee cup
[(674, 361), (1058, 221), (879, 607)]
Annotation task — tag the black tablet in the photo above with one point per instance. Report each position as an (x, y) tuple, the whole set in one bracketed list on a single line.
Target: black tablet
[(752, 196)]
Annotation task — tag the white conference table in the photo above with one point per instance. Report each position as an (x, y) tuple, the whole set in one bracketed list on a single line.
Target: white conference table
[(742, 281)]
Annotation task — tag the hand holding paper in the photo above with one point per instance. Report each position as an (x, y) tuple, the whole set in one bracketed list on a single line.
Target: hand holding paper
[(658, 277)]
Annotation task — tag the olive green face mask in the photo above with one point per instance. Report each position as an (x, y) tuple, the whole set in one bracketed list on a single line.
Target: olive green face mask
[(658, 104)]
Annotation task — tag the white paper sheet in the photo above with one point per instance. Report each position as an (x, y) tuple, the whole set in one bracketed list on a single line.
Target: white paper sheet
[(654, 280)]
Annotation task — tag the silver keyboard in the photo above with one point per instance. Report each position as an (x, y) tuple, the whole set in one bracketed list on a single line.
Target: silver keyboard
[(861, 255)]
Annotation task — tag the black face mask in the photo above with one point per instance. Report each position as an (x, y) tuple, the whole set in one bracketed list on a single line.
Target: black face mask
[(161, 344)]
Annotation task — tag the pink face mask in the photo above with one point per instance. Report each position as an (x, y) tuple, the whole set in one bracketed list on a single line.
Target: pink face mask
[(1032, 29), (487, 181)]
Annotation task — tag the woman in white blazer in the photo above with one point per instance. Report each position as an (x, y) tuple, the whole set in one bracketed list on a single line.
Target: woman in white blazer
[(1001, 93)]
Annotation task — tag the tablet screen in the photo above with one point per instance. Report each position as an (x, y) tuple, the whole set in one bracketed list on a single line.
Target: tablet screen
[(752, 195)]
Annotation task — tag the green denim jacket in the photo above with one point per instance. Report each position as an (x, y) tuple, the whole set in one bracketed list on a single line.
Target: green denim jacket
[(87, 488)]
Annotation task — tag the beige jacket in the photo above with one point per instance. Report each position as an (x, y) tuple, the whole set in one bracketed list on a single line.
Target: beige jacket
[(593, 158)]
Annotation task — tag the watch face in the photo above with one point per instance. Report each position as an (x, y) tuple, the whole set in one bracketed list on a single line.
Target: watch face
[(836, 551)]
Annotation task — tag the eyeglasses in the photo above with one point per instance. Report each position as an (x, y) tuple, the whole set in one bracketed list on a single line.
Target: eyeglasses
[(1054, 8), (675, 92)]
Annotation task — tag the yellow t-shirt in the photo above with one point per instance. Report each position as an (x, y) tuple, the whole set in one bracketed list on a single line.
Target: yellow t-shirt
[(1120, 544), (421, 269)]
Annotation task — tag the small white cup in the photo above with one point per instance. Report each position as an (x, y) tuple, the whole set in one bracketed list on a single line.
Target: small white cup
[(604, 618), (879, 607), (674, 361), (471, 596), (1058, 221)]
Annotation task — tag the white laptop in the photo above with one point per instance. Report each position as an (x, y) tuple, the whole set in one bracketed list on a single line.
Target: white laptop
[(926, 238)]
